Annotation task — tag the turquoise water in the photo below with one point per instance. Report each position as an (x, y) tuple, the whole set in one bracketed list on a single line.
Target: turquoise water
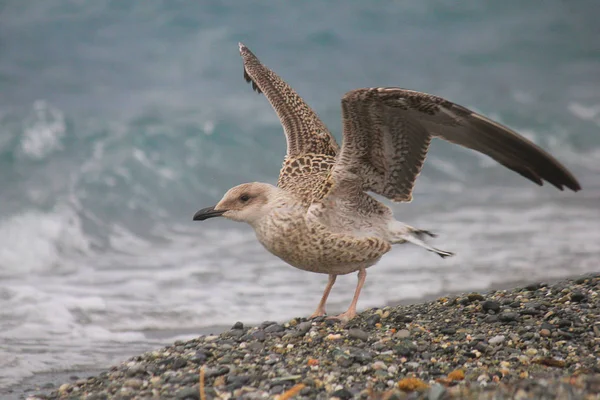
[(120, 119)]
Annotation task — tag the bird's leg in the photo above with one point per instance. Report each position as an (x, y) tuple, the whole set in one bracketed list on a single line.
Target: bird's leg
[(351, 312), (320, 311)]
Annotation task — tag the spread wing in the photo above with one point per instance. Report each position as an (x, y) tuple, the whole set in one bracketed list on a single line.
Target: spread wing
[(304, 131), (387, 132)]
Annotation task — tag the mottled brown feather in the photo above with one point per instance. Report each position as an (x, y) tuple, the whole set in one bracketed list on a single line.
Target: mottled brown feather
[(387, 132), (305, 132)]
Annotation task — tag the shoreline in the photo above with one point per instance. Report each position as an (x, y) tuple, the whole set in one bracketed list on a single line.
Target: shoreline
[(274, 334), (33, 383)]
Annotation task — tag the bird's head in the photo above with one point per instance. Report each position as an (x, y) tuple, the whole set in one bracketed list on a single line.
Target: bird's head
[(248, 202)]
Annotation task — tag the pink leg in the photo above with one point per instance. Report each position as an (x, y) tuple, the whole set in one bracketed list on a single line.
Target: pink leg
[(351, 312), (321, 307)]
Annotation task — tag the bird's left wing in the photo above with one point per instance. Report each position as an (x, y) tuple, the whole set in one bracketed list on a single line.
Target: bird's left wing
[(387, 132)]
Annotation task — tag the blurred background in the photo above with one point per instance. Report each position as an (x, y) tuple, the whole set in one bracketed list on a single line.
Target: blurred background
[(120, 119)]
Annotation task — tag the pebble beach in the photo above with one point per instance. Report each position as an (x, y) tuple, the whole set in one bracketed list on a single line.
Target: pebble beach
[(541, 341)]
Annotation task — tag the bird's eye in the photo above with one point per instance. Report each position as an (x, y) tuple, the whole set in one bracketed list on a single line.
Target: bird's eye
[(244, 198)]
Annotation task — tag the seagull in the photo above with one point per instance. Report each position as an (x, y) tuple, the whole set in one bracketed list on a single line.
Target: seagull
[(320, 216)]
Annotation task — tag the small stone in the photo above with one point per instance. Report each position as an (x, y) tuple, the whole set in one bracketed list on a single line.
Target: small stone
[(436, 392), (533, 287), (448, 331), (64, 388), (133, 383), (482, 347), (546, 325), (361, 356), (237, 381), (490, 305), (373, 320), (155, 380), (496, 340), (272, 359), (564, 323), (531, 352), (179, 363), (213, 372), (342, 394), (358, 334), (544, 332), (475, 297), (412, 365), (188, 393), (259, 335), (406, 348), (578, 297), (304, 327), (199, 357), (566, 335), (523, 359), (529, 311), (274, 328), (508, 316), (528, 336), (402, 334), (277, 389), (136, 369), (97, 396), (533, 304), (379, 365), (343, 360), (238, 325)]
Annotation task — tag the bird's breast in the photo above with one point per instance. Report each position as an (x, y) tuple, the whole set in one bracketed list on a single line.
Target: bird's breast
[(314, 248)]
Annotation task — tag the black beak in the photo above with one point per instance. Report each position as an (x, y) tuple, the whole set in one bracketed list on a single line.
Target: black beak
[(206, 213)]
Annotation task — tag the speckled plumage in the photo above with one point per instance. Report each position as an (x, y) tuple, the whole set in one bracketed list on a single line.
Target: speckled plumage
[(320, 217)]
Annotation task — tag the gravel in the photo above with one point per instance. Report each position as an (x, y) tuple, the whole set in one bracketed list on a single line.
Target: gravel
[(541, 341)]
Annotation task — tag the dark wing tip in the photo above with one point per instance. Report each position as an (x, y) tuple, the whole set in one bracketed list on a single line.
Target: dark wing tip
[(573, 185), (246, 55), (520, 154)]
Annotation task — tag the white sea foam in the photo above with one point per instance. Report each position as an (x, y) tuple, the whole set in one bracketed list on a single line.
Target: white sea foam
[(44, 129), (36, 242), (586, 112)]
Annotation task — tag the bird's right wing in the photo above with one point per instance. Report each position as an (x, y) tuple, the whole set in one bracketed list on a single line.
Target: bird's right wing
[(305, 132)]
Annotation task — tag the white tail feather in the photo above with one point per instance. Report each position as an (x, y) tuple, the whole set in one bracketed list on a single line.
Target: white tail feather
[(401, 233)]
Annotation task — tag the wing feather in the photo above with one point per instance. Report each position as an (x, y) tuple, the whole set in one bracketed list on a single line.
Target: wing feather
[(387, 132), (305, 132)]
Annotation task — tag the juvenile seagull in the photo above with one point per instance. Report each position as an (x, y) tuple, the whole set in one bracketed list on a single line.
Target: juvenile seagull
[(319, 217)]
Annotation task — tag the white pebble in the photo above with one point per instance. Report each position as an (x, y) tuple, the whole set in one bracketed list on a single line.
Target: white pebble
[(379, 365), (496, 340)]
